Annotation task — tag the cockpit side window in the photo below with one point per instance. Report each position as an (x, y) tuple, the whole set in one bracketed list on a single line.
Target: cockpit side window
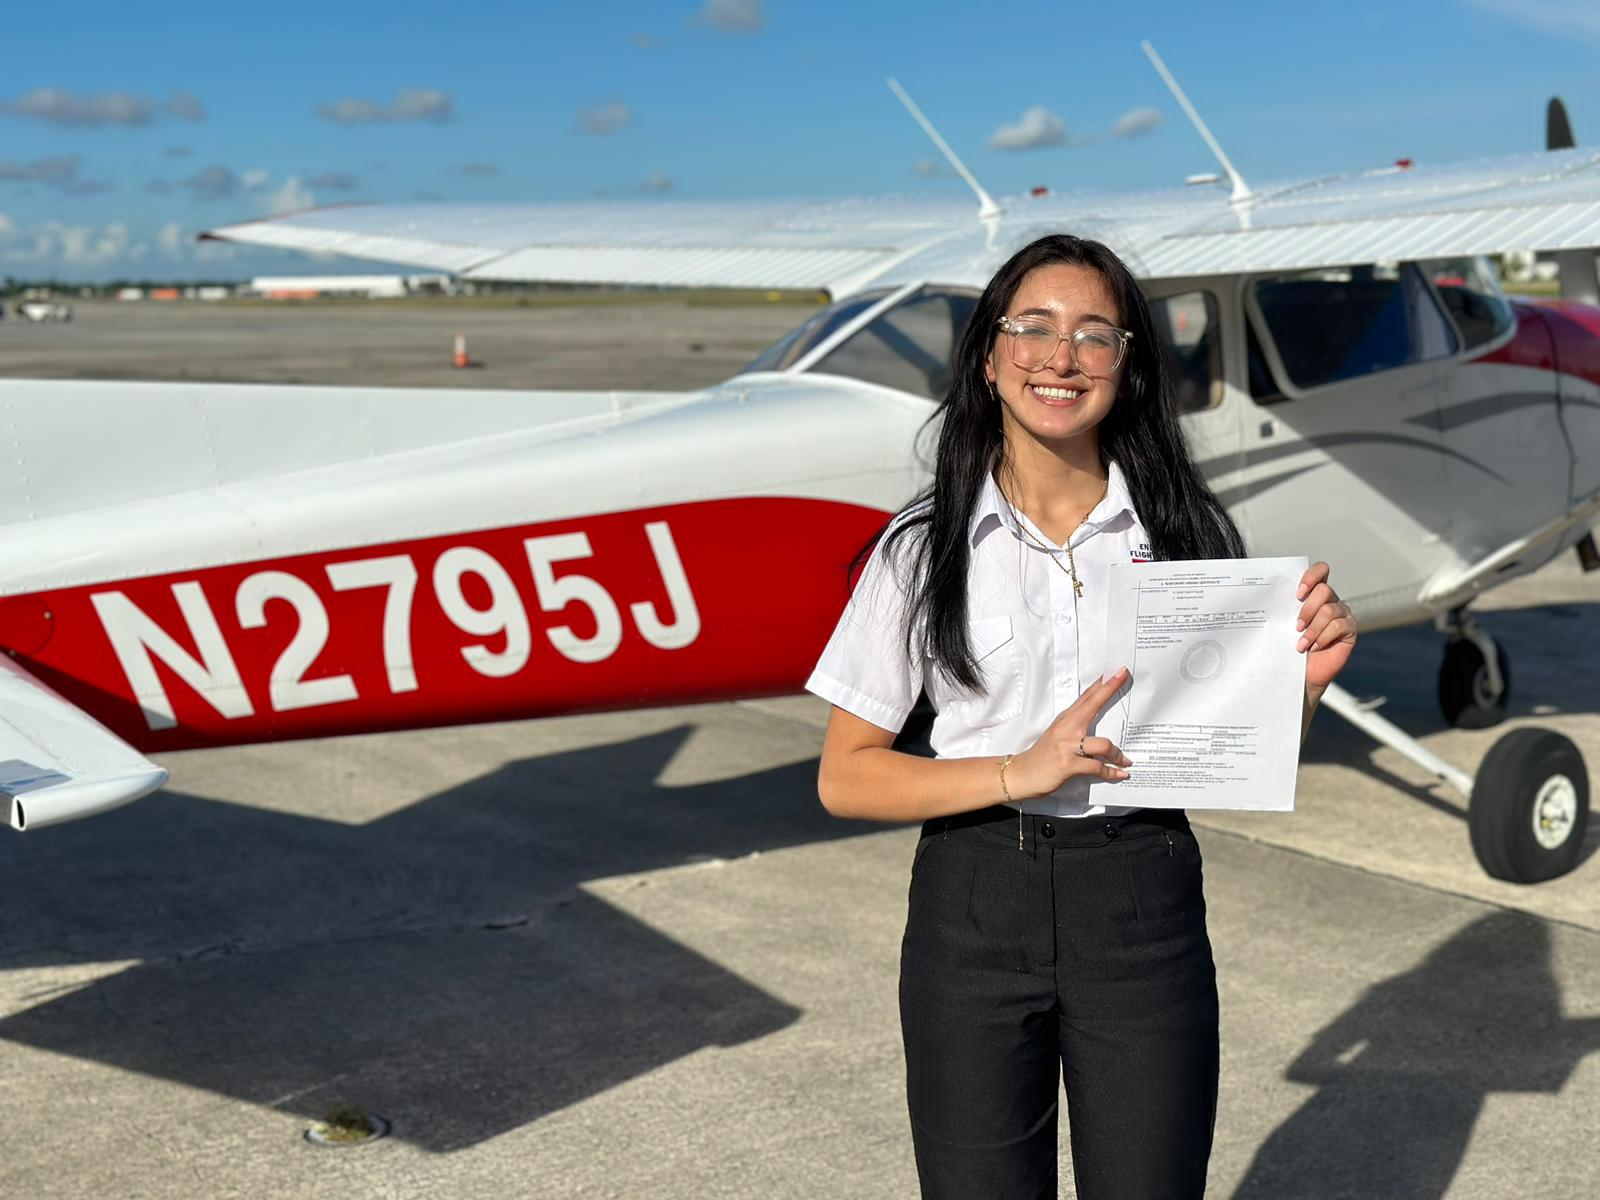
[(1473, 298), (1344, 323), (1186, 324)]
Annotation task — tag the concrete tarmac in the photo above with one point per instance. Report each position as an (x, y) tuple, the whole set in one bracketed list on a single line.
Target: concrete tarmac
[(628, 955)]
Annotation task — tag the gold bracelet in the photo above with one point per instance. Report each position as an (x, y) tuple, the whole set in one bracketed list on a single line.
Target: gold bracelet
[(1004, 763)]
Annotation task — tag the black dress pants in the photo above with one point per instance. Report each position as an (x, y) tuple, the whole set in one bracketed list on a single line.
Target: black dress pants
[(1082, 956)]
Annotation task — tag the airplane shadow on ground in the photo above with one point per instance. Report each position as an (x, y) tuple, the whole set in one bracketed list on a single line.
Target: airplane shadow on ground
[(1552, 651), (441, 966), (1402, 1075)]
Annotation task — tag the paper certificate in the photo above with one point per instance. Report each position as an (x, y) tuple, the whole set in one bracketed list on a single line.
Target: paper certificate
[(1212, 716)]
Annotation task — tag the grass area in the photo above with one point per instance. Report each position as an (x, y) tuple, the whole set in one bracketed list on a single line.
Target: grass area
[(553, 298), (1534, 287)]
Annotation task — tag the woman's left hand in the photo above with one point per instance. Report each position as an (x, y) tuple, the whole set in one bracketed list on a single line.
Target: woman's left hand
[(1327, 628)]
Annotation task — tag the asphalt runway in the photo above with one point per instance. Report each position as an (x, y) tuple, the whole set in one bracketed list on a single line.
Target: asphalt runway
[(628, 955)]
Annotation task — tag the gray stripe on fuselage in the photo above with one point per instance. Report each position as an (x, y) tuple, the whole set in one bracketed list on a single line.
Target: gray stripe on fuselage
[(1468, 412), (1326, 443), (1228, 497)]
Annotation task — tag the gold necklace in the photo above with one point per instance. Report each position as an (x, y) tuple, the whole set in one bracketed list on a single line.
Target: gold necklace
[(1071, 569)]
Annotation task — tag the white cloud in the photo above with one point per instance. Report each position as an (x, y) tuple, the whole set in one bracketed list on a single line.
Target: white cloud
[(112, 242), (1548, 16), (411, 104), (170, 239), (255, 179), (1136, 122), (291, 197), (733, 16), (186, 106), (605, 117), (423, 104), (334, 181), (657, 182), (61, 107), (215, 182), (7, 225), (60, 171), (79, 245), (1038, 127)]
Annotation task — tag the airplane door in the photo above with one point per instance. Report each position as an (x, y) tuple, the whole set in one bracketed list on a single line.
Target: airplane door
[(1343, 455)]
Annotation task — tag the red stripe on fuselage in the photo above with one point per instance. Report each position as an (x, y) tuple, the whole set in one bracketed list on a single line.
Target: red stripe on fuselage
[(707, 601), (1554, 335)]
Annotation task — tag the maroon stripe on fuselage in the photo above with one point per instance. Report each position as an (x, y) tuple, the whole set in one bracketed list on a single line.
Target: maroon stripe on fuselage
[(1553, 335)]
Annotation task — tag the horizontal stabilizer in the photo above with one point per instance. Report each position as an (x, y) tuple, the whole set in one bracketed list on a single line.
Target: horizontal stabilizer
[(57, 762)]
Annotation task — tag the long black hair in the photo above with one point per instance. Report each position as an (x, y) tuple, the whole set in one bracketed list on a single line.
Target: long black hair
[(1140, 433)]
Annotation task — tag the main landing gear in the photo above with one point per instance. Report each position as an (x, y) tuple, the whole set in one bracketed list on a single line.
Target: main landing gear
[(1528, 807), (1475, 676)]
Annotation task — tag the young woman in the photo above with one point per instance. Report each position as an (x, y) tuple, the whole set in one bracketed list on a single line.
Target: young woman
[(1048, 934)]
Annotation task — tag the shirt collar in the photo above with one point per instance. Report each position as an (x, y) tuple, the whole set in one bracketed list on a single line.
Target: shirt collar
[(993, 512)]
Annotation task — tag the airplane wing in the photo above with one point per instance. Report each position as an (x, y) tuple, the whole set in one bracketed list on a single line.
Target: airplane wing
[(56, 762), (1544, 201), (762, 244)]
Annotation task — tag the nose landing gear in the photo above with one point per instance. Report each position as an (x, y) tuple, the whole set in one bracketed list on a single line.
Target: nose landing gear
[(1475, 676)]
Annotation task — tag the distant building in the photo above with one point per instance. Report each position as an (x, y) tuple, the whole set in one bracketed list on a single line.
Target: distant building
[(373, 287)]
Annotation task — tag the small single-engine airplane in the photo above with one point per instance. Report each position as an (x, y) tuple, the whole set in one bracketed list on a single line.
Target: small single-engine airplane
[(309, 561)]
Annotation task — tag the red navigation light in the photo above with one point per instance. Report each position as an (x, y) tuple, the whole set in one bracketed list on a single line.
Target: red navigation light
[(1038, 191), (1403, 164)]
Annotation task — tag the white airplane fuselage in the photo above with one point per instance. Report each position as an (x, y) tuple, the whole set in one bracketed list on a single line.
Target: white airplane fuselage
[(307, 561)]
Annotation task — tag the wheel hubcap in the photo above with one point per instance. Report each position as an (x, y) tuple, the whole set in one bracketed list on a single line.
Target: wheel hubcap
[(1555, 811), (1483, 694)]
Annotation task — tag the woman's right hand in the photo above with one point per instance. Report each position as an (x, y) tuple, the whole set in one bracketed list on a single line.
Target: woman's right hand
[(1055, 757)]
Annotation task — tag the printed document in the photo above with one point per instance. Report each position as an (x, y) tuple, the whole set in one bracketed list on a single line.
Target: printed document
[(1211, 718)]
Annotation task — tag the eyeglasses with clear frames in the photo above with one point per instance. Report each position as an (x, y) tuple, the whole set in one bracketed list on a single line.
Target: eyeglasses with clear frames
[(1097, 349)]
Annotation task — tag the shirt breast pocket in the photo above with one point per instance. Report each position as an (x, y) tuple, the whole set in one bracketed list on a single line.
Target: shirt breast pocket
[(999, 657)]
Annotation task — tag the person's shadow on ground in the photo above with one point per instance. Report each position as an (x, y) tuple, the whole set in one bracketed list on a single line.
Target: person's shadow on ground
[(1402, 1075)]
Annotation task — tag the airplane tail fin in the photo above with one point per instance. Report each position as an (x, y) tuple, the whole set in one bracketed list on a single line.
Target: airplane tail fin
[(1577, 267), (1557, 129)]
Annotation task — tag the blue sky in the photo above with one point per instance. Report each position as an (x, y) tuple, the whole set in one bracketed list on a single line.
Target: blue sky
[(124, 129)]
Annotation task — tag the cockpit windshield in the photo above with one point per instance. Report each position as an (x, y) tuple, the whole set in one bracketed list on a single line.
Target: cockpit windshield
[(908, 346)]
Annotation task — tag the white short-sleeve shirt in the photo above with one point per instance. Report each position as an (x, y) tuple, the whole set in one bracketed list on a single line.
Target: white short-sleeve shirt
[(1037, 643)]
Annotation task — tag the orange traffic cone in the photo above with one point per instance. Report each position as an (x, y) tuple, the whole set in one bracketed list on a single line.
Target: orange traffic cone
[(461, 359)]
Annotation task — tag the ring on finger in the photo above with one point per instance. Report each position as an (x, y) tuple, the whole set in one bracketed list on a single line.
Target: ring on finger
[(1082, 753)]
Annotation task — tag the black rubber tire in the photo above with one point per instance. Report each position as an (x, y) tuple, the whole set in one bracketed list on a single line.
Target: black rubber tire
[(1461, 683), (1501, 813)]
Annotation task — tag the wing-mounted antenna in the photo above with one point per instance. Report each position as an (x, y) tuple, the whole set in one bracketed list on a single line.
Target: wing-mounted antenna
[(1242, 197), (988, 210)]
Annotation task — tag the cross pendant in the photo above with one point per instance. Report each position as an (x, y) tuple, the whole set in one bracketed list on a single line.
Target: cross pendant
[(1078, 588)]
